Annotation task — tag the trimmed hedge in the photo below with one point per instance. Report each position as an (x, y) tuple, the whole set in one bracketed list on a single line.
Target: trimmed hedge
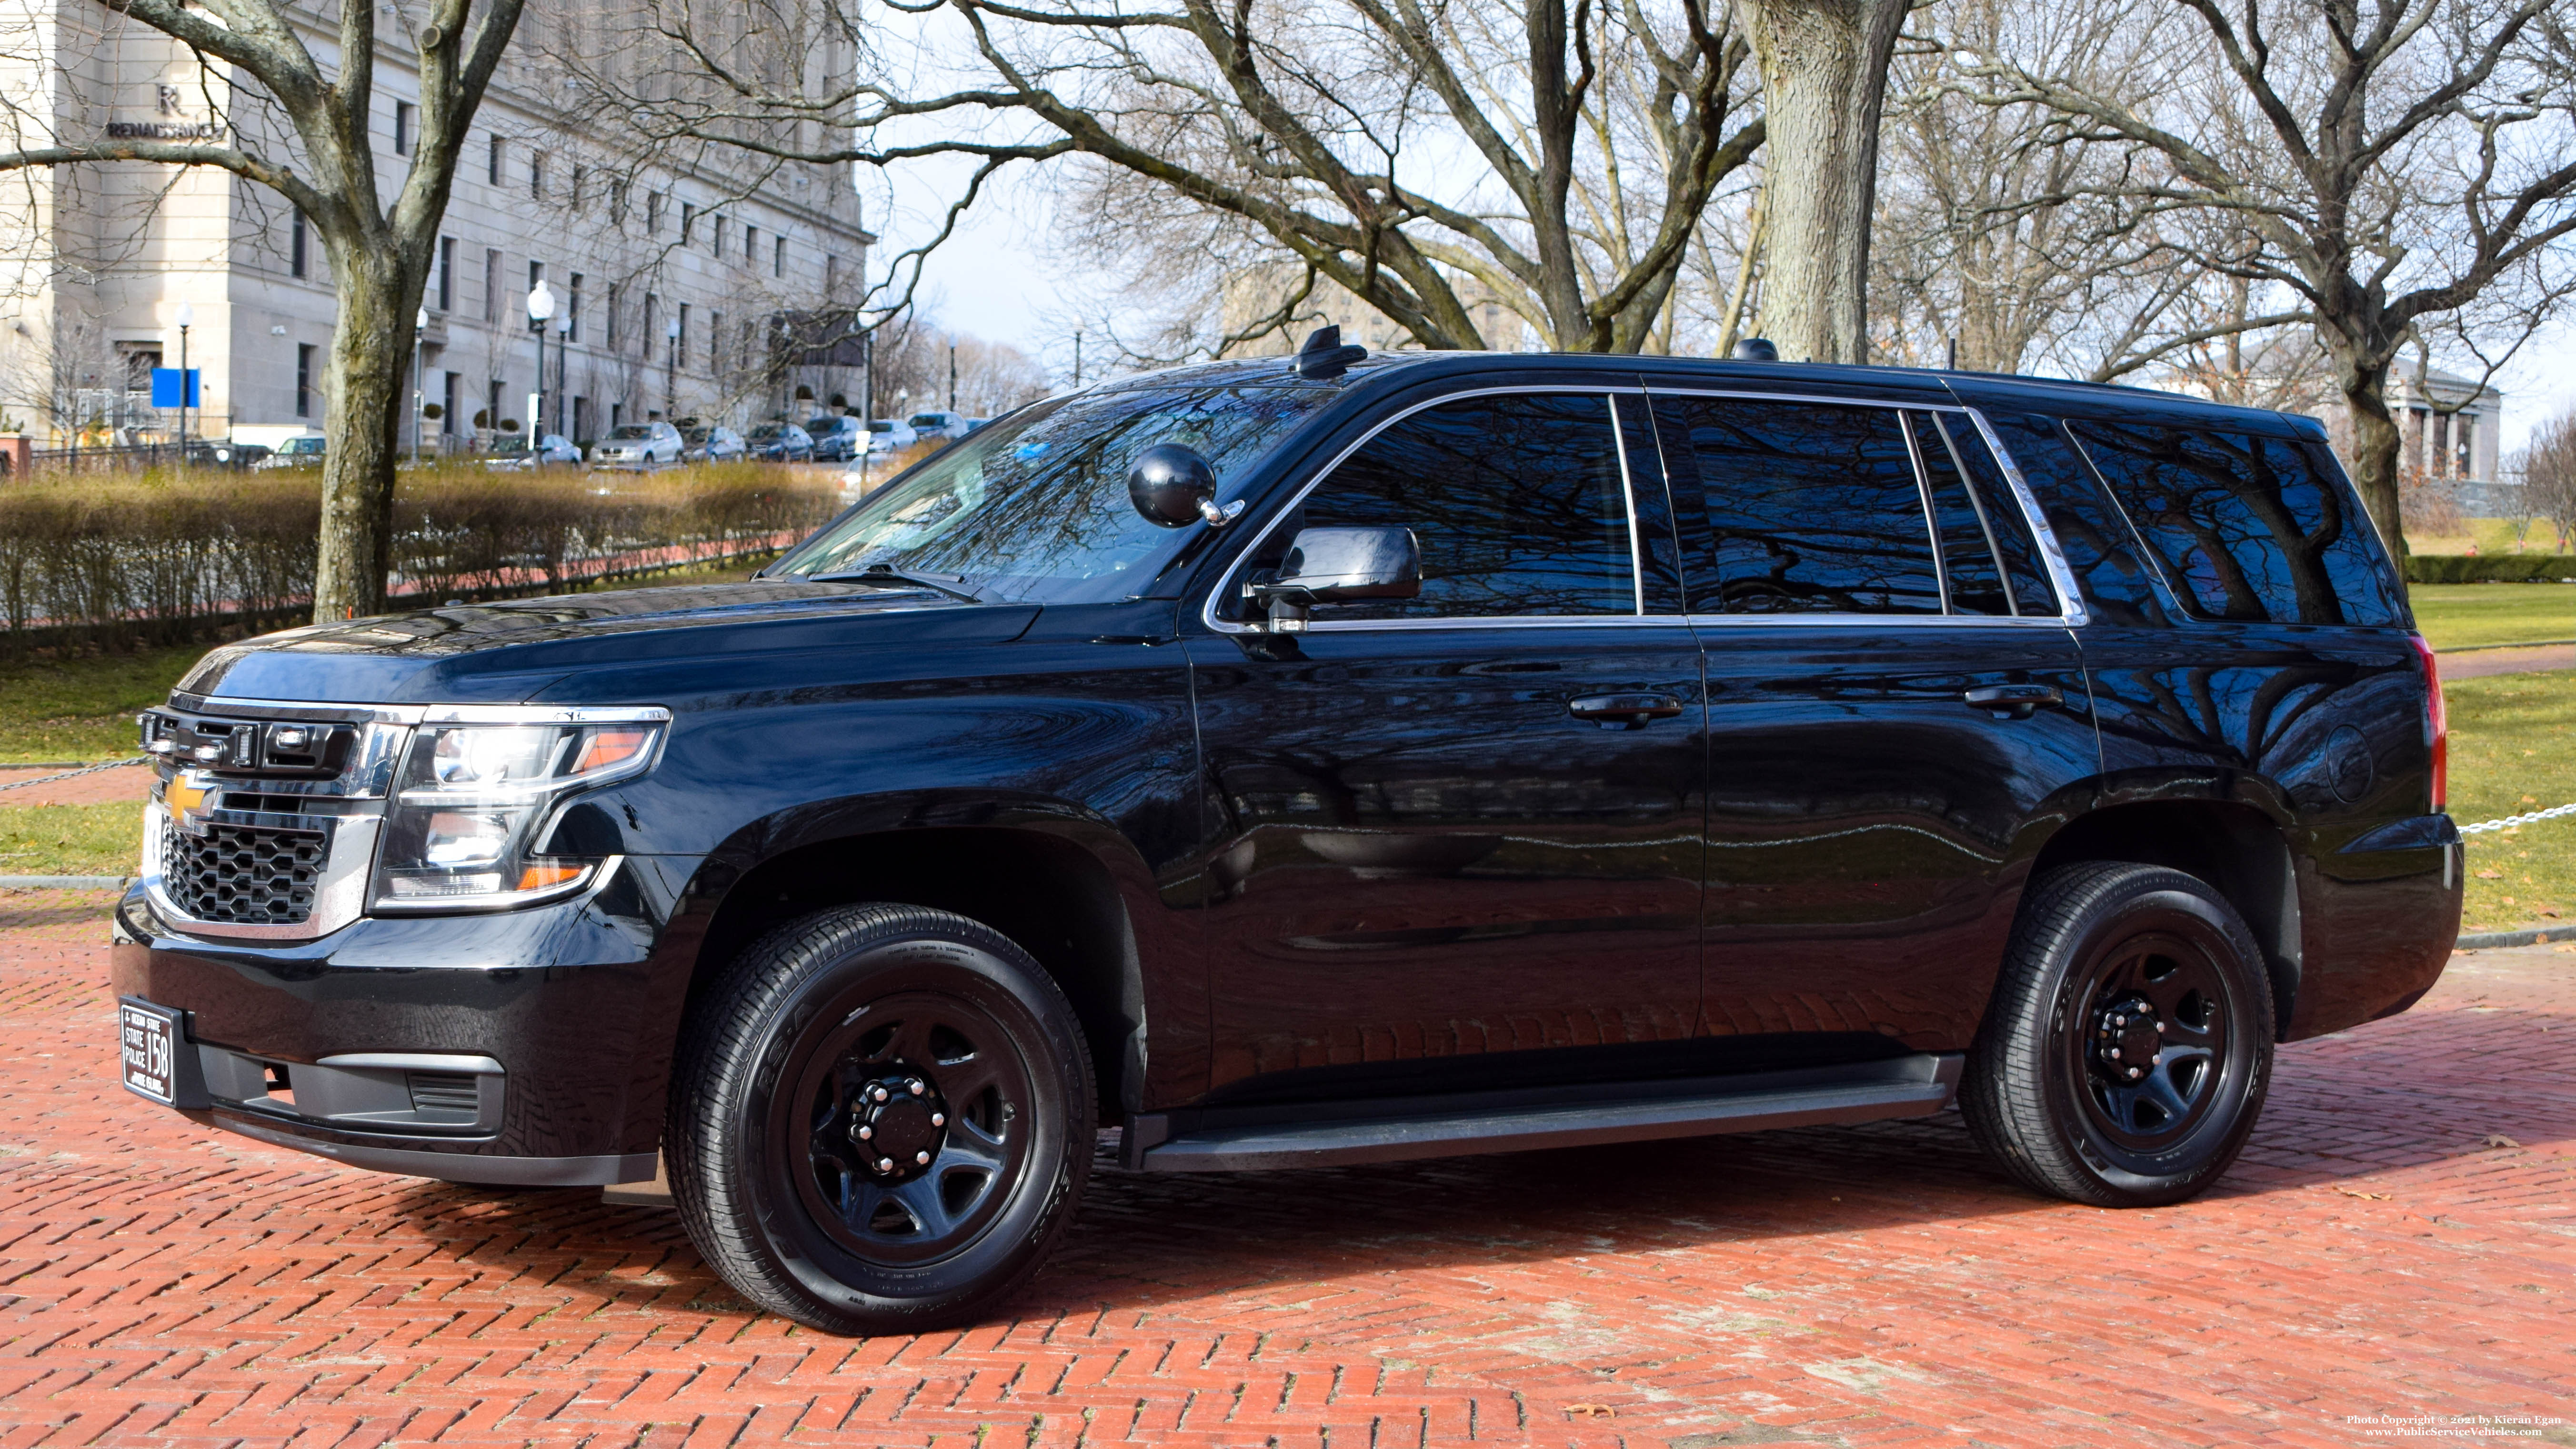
[(2494, 568), (165, 558)]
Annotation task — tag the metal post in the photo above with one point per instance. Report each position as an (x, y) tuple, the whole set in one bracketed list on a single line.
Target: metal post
[(418, 323), (563, 369), (183, 394), (952, 377)]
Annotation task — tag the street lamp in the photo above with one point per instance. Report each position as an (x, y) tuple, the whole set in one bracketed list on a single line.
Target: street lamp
[(541, 305), (420, 324), (563, 369), (186, 318)]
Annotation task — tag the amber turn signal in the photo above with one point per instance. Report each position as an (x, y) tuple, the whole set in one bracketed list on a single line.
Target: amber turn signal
[(538, 877)]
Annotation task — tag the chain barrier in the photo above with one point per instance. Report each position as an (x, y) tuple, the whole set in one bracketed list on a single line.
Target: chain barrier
[(83, 770), (2510, 821)]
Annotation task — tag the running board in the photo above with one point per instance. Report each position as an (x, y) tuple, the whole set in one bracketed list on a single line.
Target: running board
[(1390, 1131)]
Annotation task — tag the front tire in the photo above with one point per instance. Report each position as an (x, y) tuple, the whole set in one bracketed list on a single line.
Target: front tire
[(2127, 1050), (881, 1120)]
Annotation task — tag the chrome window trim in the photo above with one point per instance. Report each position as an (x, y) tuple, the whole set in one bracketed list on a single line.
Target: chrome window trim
[(1628, 500), (1977, 503), (1931, 519), (2070, 599), (1226, 581), (1902, 621)]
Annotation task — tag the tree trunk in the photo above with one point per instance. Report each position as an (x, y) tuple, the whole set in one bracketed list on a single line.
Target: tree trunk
[(1824, 76), (2375, 450), (361, 384)]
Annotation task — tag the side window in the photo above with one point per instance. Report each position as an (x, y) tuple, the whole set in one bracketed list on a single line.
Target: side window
[(2099, 546), (1960, 519), (2012, 537), (1517, 499), (2244, 524), (1811, 508)]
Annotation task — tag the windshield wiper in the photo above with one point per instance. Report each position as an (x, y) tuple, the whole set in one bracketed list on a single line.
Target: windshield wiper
[(880, 574)]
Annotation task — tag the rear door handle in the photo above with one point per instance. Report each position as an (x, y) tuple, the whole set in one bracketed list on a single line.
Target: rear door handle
[(1625, 711), (2014, 701)]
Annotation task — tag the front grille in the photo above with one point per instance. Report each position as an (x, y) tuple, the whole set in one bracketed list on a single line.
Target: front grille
[(243, 875)]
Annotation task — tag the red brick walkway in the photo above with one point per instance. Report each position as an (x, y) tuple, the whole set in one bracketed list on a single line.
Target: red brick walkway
[(2373, 1254)]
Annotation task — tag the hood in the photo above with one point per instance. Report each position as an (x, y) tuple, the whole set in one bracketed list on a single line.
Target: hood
[(506, 652)]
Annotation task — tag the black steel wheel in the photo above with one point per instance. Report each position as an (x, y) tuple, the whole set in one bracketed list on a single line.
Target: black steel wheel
[(2128, 1045), (881, 1120)]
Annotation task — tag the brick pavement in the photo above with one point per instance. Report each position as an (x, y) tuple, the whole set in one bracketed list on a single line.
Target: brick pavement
[(166, 1285)]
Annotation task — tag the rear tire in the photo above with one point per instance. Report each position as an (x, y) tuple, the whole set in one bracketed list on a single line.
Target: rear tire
[(881, 1120), (2128, 1046)]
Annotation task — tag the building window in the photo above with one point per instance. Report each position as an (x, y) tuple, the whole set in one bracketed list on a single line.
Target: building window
[(492, 172), (688, 219), (402, 128), (617, 202), (719, 235), (652, 213), (537, 177), (610, 339), (751, 247), (715, 344), (447, 403), (778, 266), (447, 274), (580, 175), (680, 344), (304, 380), (536, 273), (572, 309), (831, 278), (296, 246), (651, 305), (491, 284), (492, 409)]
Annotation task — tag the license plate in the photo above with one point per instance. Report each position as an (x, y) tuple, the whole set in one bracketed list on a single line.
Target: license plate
[(147, 1038)]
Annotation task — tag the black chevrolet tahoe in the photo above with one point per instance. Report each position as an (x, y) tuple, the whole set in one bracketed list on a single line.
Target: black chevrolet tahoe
[(1329, 760)]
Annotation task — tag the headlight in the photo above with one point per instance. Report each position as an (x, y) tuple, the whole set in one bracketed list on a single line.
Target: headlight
[(478, 797)]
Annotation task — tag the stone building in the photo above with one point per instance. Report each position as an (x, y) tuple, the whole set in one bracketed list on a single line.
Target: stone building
[(670, 277)]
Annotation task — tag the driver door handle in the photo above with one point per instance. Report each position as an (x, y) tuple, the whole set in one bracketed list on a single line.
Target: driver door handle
[(1624, 711), (2014, 701)]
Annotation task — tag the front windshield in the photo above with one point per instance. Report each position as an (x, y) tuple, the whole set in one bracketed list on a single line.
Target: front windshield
[(630, 432), (304, 445), (767, 431), (880, 427), (696, 435), (1035, 509), (926, 420)]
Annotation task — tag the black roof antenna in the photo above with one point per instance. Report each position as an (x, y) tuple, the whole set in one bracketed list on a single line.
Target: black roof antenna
[(1324, 357)]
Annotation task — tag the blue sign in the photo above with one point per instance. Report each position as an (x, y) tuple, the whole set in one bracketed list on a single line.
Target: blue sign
[(165, 387)]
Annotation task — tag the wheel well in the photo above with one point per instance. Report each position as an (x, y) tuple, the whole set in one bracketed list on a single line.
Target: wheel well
[(2233, 847), (1051, 896)]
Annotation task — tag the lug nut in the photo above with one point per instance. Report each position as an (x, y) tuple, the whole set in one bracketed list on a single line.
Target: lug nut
[(915, 1086), (2119, 1021), (921, 1157), (866, 1132), (885, 1164), (2115, 1054), (879, 1094), (938, 1119)]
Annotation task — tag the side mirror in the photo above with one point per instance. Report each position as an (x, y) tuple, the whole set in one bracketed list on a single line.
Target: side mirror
[(1175, 487), (1338, 566)]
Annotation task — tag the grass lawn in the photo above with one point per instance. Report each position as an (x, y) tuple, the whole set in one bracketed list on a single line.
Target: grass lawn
[(2489, 535), (70, 839), (2460, 616), (2513, 749)]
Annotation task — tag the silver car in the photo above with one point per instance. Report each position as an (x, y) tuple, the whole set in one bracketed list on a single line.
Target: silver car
[(640, 446)]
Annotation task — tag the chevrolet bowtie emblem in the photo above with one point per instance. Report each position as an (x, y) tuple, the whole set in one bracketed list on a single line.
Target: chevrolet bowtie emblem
[(186, 801)]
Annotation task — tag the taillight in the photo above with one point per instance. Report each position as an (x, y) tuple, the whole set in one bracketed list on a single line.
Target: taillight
[(2437, 724)]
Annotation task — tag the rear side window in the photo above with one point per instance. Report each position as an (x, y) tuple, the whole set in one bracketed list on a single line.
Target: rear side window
[(2248, 527), (1811, 508), (1967, 536), (2100, 549), (1518, 501), (2001, 512)]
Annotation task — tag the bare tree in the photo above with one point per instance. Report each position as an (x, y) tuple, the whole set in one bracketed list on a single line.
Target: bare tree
[(2399, 162), (2549, 476), (1824, 78), (1407, 151), (255, 70)]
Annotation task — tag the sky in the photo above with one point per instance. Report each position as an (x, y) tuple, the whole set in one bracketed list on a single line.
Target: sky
[(988, 280)]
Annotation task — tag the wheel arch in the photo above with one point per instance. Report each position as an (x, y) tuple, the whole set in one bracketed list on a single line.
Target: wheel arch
[(2235, 846), (1052, 884)]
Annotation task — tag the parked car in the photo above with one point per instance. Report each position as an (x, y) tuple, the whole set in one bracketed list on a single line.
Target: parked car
[(303, 452), (780, 443), (1331, 761), (939, 425), (707, 443), (890, 435), (211, 454), (836, 440), (640, 446), (510, 451)]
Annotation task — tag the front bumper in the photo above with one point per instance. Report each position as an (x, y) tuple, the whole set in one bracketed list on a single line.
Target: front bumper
[(528, 1047)]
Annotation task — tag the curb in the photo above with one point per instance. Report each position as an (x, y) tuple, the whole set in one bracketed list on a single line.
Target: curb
[(65, 882), (2532, 936)]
